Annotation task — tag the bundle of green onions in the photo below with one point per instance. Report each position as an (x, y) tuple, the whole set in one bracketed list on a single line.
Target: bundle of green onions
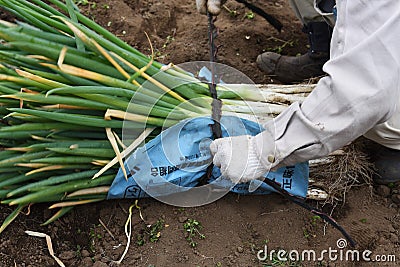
[(66, 84)]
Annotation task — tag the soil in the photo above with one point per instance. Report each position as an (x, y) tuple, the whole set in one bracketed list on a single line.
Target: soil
[(235, 227)]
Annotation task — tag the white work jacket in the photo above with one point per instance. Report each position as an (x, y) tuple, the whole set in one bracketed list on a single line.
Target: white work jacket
[(361, 90)]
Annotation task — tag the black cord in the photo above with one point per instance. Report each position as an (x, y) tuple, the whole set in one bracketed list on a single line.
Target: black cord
[(216, 104), (212, 86), (300, 201), (271, 19)]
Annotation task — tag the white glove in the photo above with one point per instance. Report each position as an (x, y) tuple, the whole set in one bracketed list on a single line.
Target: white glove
[(237, 158), (212, 6)]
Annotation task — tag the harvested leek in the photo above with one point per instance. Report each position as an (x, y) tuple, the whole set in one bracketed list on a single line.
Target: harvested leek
[(66, 86)]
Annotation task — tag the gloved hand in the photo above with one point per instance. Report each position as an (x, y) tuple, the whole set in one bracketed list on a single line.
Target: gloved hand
[(238, 159), (212, 6)]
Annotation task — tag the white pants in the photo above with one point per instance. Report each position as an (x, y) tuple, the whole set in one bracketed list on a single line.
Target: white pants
[(387, 133)]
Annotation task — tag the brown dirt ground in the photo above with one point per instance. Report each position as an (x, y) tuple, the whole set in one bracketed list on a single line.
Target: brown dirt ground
[(235, 228)]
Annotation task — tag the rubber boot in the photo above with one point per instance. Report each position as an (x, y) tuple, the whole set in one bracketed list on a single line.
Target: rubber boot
[(290, 69), (387, 163)]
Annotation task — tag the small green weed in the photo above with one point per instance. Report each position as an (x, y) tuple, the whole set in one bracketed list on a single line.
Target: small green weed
[(155, 230), (81, 2), (85, 3), (192, 228), (281, 45), (232, 13), (152, 233), (315, 219), (249, 15), (140, 240), (78, 251), (181, 209), (306, 234), (93, 237), (169, 40)]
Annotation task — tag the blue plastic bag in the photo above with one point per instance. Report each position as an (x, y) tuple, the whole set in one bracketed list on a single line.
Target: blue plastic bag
[(178, 158)]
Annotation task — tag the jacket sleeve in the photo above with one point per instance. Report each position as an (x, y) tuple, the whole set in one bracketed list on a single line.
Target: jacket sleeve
[(360, 91)]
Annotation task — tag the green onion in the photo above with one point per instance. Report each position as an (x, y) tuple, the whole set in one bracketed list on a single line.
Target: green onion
[(66, 87)]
